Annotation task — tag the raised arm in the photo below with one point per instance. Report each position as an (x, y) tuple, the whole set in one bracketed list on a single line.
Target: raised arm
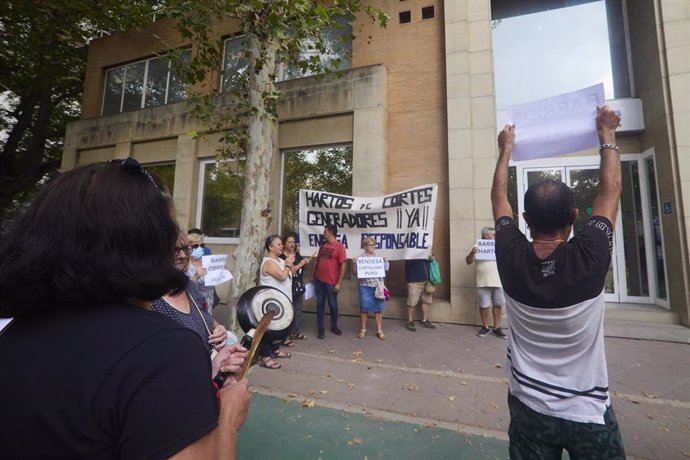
[(606, 202), (499, 189)]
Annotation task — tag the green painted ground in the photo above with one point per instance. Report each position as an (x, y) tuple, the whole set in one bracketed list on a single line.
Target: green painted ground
[(276, 429)]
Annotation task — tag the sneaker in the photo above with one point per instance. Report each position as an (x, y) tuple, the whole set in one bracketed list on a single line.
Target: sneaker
[(428, 324), (322, 334), (498, 332), (484, 331), (410, 326), (336, 331)]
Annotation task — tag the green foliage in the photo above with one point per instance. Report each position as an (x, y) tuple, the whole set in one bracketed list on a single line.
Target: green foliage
[(327, 169), (283, 29), (43, 47)]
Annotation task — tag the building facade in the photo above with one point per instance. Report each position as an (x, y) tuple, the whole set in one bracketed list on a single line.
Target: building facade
[(422, 102)]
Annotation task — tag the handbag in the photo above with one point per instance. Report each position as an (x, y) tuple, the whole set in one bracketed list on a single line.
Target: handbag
[(381, 292), (429, 287)]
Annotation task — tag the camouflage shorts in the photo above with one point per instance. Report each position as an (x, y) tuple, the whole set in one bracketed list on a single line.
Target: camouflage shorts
[(538, 436)]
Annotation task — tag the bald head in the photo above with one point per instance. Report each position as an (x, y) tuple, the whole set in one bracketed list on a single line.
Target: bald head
[(549, 206)]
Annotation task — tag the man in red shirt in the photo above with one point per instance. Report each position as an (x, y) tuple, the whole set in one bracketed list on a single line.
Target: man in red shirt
[(328, 275)]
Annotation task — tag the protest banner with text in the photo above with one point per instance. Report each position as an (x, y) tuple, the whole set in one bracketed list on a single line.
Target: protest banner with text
[(402, 224)]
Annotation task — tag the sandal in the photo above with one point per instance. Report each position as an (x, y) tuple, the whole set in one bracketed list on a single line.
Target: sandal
[(269, 363), (280, 354), (362, 333), (380, 335), (298, 336), (287, 343)]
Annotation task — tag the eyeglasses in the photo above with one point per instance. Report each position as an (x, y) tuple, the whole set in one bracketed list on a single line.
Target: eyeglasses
[(371, 244), (186, 249), (196, 246), (131, 163)]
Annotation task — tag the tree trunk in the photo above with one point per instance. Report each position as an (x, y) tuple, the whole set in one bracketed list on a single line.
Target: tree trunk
[(256, 208)]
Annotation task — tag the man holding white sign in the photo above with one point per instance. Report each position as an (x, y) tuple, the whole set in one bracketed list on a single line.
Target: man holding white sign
[(554, 290), (370, 271), (489, 290)]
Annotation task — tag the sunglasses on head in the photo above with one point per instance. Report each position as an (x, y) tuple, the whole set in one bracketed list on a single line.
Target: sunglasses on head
[(132, 164)]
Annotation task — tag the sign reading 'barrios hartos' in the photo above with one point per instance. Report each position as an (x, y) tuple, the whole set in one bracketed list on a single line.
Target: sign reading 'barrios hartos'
[(402, 224)]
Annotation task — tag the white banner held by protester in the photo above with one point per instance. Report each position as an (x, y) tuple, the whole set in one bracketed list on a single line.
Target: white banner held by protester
[(216, 273), (486, 250), (401, 224), (371, 267), (556, 125)]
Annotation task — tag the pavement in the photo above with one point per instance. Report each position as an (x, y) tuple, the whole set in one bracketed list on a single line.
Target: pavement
[(440, 394)]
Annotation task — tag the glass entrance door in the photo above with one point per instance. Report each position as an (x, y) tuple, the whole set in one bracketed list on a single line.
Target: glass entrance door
[(637, 273), (584, 180)]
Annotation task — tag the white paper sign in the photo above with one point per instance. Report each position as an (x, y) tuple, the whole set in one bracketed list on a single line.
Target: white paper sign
[(371, 267), (401, 224), (4, 322), (308, 291), (486, 250), (216, 273), (556, 125)]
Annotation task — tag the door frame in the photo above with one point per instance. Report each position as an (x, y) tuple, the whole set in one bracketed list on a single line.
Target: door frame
[(618, 257)]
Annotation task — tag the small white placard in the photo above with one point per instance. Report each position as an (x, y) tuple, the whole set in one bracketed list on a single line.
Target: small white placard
[(308, 291), (371, 267), (216, 273), (486, 250)]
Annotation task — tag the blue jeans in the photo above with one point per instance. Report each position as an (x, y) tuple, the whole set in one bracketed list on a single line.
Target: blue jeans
[(323, 291)]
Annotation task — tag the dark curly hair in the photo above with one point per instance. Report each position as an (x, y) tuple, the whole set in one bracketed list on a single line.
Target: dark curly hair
[(98, 234), (548, 205)]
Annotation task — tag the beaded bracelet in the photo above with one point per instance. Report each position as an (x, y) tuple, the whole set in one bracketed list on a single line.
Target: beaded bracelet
[(609, 146)]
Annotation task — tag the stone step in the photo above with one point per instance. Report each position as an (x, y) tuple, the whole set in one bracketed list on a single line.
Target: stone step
[(640, 313), (646, 331)]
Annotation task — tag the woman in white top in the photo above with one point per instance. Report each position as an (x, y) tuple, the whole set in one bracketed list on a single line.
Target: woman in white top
[(275, 272)]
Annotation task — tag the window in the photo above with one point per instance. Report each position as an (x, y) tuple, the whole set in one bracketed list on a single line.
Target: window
[(219, 209), (405, 17), (235, 64), (327, 168), (427, 12), (549, 47), (165, 172), (142, 84), (338, 41)]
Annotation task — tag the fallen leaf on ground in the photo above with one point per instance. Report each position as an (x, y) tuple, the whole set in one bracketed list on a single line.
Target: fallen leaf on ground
[(331, 352), (312, 392), (463, 383), (498, 365), (686, 453), (452, 398), (308, 403), (323, 392), (340, 380), (347, 428), (468, 442), (357, 353), (650, 396), (292, 395), (351, 385), (355, 441)]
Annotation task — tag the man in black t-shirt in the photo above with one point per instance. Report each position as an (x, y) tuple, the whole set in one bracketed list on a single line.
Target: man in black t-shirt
[(554, 292)]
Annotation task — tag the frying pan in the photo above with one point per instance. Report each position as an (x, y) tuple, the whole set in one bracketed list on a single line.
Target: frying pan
[(255, 302)]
